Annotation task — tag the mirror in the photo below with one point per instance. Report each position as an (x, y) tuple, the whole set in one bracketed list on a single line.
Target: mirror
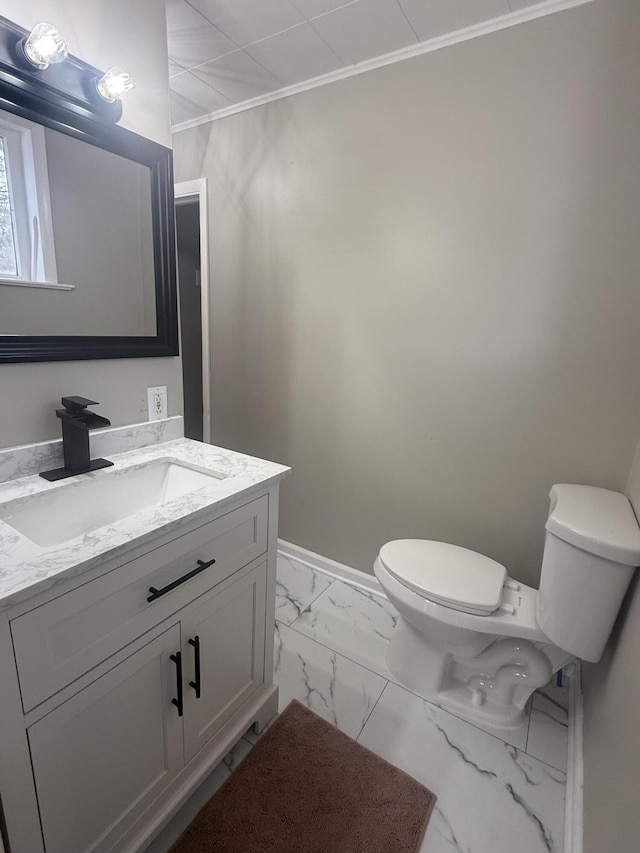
[(87, 247), (76, 237)]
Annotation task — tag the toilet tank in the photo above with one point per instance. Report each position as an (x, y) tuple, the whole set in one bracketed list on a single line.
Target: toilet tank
[(592, 546)]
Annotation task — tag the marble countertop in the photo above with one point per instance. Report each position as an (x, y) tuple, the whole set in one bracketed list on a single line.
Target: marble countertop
[(27, 569)]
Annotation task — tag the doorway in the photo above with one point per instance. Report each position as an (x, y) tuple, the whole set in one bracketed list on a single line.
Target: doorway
[(193, 293)]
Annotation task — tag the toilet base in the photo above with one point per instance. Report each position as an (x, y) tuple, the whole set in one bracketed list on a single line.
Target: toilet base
[(492, 688)]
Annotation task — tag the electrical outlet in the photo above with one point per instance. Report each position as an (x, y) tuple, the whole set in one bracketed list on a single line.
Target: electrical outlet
[(157, 399)]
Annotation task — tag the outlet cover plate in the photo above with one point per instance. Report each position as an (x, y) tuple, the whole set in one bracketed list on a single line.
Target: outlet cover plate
[(157, 402)]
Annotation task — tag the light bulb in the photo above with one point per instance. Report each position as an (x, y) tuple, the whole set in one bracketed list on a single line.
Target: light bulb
[(114, 84), (44, 46)]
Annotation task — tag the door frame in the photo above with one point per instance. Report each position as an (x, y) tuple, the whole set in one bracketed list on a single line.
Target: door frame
[(197, 190)]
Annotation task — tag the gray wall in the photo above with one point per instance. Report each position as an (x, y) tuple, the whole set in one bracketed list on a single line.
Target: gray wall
[(95, 32), (612, 738), (425, 287)]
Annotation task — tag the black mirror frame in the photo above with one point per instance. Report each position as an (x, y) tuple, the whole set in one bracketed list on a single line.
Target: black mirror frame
[(62, 100)]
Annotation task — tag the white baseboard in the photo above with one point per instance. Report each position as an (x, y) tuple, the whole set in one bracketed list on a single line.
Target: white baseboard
[(573, 815), (330, 567)]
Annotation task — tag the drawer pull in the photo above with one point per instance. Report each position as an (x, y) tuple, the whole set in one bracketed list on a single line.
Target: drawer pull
[(179, 702), (196, 653), (157, 593)]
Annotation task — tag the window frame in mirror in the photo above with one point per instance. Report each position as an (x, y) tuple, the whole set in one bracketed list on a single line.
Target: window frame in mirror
[(24, 93)]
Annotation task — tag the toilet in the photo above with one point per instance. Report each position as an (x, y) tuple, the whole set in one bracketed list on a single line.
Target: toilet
[(477, 642)]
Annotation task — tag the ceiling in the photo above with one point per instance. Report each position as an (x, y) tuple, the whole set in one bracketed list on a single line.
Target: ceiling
[(223, 53)]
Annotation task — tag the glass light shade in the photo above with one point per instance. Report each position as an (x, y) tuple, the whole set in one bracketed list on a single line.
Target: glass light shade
[(114, 84), (45, 46)]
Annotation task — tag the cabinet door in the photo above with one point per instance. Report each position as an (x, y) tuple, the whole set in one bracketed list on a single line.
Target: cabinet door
[(103, 756), (228, 629)]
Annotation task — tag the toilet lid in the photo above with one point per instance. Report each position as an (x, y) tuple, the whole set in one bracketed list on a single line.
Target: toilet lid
[(446, 574)]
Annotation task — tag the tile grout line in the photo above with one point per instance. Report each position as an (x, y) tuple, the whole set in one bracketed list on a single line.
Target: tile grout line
[(413, 693), (375, 705), (346, 656), (341, 653), (313, 601), (563, 770), (308, 605)]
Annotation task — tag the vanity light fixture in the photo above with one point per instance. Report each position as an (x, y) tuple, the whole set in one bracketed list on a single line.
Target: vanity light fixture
[(114, 84), (44, 46), (72, 84)]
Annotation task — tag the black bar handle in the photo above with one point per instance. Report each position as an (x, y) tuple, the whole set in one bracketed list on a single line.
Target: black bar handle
[(179, 702), (157, 593), (196, 646)]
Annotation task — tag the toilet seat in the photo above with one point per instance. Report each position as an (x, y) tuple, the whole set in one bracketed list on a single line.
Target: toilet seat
[(446, 574)]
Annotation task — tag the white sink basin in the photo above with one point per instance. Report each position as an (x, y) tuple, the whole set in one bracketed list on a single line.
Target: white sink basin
[(89, 502)]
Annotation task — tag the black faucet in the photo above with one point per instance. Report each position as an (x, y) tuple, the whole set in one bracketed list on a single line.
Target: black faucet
[(77, 420)]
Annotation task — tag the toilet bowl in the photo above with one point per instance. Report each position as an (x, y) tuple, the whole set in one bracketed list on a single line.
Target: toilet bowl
[(477, 642)]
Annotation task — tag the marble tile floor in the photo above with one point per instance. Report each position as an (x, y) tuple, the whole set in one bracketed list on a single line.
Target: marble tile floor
[(496, 793)]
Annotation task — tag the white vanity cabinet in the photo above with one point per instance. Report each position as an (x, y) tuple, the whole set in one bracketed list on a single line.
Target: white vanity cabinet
[(131, 682)]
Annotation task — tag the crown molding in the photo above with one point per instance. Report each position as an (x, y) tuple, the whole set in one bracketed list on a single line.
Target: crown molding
[(503, 22)]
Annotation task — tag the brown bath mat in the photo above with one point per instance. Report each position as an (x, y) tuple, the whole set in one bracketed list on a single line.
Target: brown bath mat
[(308, 788)]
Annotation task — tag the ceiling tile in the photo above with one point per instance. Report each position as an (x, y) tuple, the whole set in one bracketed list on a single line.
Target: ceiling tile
[(431, 18), (182, 109), (365, 29), (192, 38), (191, 98), (246, 21), (313, 8), (523, 4), (238, 76), (296, 54)]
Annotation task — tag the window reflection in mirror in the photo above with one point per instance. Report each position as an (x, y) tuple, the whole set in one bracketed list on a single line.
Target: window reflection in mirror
[(8, 254), (28, 242), (76, 239)]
